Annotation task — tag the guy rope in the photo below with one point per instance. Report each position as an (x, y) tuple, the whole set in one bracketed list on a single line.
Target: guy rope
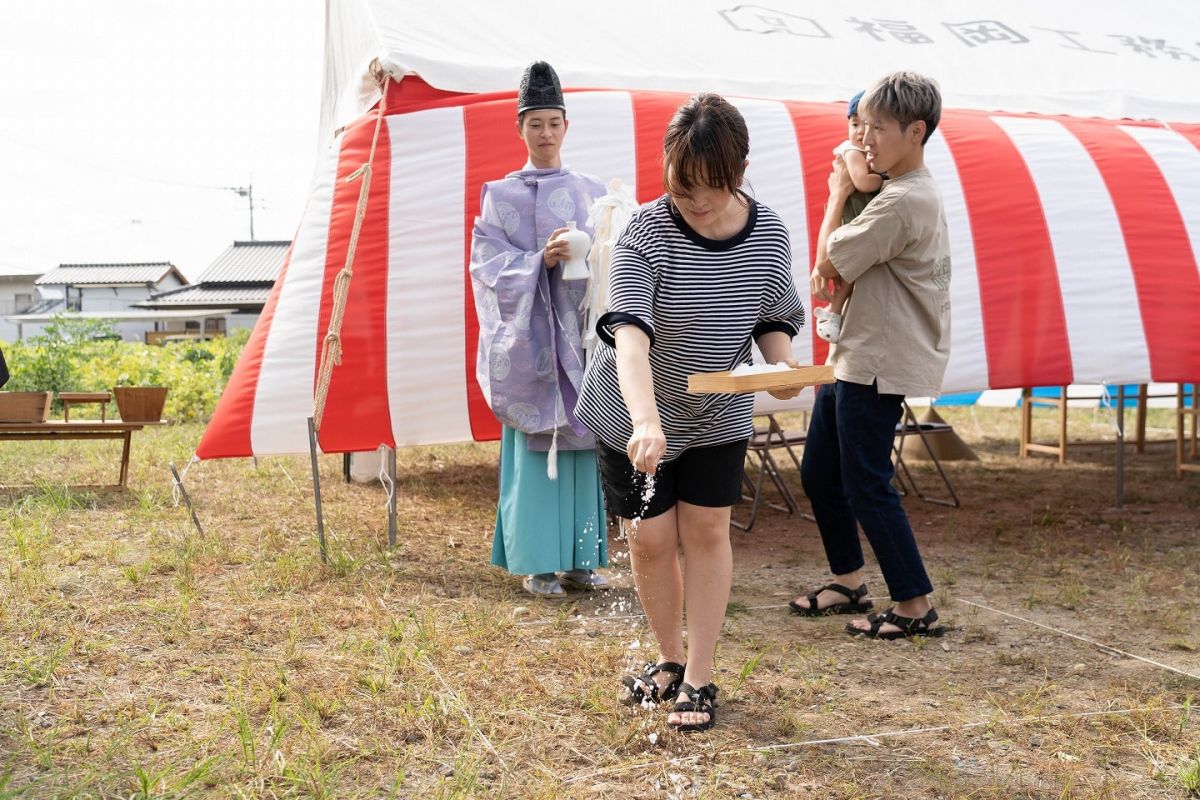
[(331, 347)]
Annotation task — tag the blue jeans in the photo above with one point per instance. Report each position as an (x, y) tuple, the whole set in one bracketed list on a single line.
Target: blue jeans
[(847, 474)]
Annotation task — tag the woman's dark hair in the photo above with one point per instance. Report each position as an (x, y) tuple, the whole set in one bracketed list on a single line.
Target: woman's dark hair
[(706, 140)]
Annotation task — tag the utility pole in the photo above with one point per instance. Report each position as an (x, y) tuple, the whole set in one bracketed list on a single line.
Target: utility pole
[(247, 192)]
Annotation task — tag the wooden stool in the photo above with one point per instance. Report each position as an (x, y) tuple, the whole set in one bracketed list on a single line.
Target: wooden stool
[(1027, 445), (1029, 400), (75, 398), (1181, 414)]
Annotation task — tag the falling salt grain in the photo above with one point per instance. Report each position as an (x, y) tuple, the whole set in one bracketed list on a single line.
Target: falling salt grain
[(650, 481), (758, 369)]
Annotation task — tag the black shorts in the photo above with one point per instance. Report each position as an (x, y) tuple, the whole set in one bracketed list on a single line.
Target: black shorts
[(702, 476)]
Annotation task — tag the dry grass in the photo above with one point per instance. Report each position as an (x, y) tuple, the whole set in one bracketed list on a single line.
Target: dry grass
[(139, 658)]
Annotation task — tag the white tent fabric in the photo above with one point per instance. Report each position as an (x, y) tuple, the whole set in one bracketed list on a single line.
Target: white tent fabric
[(1109, 59), (1074, 240), (1079, 395)]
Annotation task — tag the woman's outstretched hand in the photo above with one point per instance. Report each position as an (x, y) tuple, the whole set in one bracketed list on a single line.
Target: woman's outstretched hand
[(646, 447)]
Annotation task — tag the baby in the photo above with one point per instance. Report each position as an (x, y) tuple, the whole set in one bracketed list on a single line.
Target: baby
[(866, 185)]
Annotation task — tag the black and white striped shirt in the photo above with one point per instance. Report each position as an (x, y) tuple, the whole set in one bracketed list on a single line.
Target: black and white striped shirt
[(700, 301)]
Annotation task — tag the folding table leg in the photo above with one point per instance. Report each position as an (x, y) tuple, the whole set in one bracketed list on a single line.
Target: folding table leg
[(789, 500), (125, 459), (755, 486), (937, 462), (903, 475)]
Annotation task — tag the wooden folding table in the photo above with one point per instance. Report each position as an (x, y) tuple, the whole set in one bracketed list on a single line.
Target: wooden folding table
[(80, 429)]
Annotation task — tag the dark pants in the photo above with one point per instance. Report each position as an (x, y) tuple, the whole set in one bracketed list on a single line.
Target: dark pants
[(847, 474)]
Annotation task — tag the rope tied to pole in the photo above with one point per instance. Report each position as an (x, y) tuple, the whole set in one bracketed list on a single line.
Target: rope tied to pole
[(331, 346)]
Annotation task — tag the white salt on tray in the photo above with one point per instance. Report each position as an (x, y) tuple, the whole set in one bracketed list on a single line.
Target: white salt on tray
[(755, 369)]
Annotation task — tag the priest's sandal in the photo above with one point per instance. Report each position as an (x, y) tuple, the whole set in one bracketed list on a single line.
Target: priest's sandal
[(855, 605), (909, 626), (699, 701), (644, 689), (545, 586), (585, 579)]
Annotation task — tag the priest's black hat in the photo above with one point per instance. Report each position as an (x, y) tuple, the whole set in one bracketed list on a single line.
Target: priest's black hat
[(539, 89)]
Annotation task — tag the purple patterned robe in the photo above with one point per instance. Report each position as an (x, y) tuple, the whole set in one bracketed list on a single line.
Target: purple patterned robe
[(530, 360)]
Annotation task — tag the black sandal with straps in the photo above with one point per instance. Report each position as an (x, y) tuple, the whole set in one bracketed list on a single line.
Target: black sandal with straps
[(856, 605), (643, 688), (696, 701), (909, 626)]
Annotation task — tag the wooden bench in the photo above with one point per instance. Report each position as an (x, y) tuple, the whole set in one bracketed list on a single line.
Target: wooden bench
[(1029, 400), (93, 429)]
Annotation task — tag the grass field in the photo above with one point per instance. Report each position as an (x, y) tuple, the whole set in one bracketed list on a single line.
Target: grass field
[(141, 658)]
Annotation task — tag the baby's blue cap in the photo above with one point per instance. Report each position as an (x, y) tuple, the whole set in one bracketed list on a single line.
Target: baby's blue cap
[(852, 109)]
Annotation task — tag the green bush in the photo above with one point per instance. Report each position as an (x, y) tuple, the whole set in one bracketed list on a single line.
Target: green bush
[(80, 356)]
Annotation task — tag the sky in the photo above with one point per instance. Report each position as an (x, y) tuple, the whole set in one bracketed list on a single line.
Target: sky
[(123, 122)]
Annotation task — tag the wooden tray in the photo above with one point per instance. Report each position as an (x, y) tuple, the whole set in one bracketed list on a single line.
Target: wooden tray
[(24, 406), (724, 383)]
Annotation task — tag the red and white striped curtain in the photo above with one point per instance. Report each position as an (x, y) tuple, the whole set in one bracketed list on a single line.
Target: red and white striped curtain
[(1074, 255)]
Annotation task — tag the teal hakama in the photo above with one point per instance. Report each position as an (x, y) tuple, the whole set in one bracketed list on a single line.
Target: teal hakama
[(544, 525)]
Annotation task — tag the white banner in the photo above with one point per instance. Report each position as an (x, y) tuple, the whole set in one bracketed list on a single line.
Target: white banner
[(1109, 59)]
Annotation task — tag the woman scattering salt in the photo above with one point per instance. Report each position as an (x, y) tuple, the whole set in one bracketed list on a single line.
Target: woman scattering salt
[(696, 275)]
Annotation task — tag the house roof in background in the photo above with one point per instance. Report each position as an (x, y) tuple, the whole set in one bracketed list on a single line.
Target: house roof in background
[(247, 262), (126, 315), (110, 274), (205, 295), (13, 271)]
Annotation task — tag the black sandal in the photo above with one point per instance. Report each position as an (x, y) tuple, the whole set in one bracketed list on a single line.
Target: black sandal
[(698, 701), (854, 606), (643, 688), (909, 626)]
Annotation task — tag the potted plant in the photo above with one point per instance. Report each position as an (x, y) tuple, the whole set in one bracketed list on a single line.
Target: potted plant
[(139, 403)]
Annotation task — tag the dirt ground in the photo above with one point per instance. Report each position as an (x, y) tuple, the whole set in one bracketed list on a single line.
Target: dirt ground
[(140, 657)]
